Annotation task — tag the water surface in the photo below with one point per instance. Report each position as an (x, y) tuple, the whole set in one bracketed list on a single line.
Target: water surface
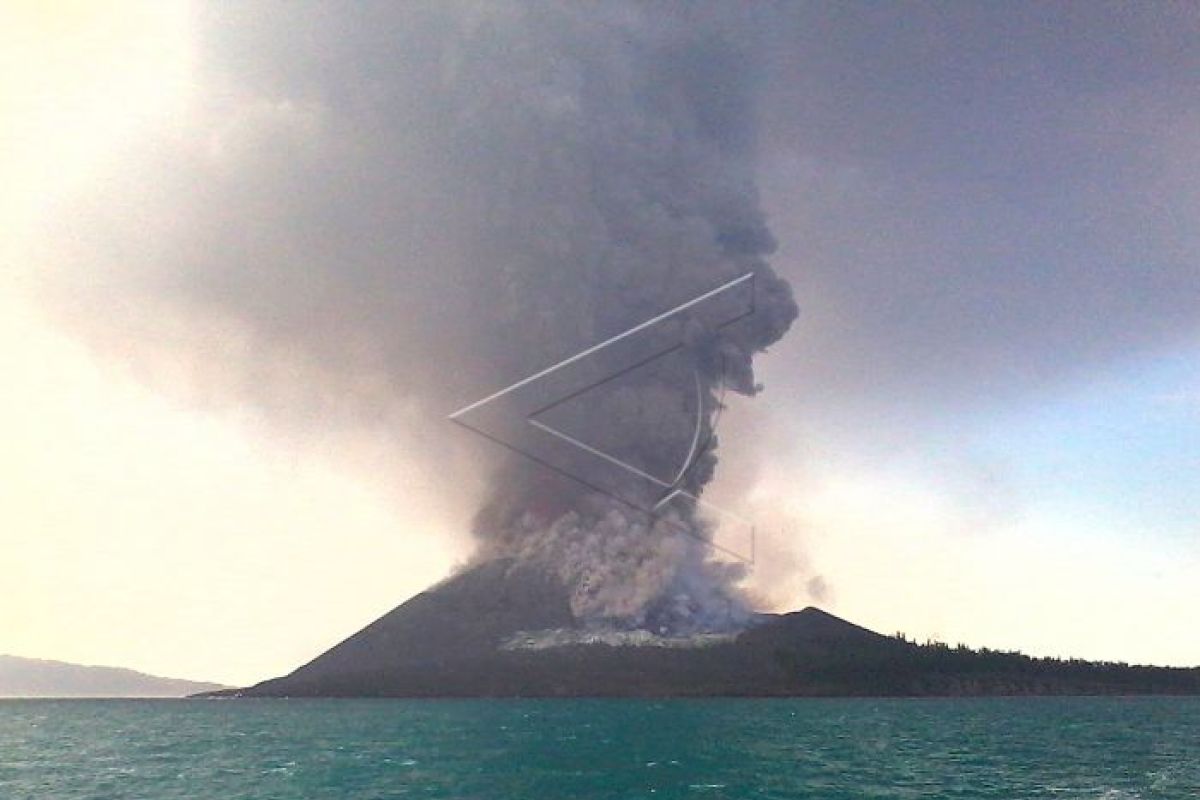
[(1010, 748)]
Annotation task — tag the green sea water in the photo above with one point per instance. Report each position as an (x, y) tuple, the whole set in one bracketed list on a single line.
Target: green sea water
[(829, 749)]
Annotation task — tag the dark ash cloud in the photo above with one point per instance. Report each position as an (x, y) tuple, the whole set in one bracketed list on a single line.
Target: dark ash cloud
[(417, 204)]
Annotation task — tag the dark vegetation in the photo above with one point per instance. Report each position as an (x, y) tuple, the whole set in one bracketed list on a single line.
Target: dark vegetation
[(935, 668)]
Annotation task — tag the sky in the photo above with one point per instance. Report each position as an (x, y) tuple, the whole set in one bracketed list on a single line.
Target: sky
[(983, 427)]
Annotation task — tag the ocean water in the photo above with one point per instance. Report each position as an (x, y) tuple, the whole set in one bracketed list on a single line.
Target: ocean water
[(561, 749)]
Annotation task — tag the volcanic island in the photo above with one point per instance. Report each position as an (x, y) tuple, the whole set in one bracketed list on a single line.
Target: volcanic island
[(506, 629)]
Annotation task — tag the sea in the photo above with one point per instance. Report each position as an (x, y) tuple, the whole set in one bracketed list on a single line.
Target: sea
[(1004, 748)]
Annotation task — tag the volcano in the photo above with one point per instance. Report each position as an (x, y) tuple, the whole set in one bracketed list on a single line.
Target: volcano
[(506, 630)]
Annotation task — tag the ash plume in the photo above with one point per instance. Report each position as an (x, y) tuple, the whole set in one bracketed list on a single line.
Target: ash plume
[(419, 203)]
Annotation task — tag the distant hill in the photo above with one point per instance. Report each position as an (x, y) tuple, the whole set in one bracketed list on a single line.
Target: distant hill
[(32, 677), (502, 631)]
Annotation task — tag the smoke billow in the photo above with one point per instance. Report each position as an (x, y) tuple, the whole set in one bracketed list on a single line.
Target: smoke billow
[(419, 204)]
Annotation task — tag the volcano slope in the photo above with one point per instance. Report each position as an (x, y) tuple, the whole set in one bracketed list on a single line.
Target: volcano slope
[(502, 630)]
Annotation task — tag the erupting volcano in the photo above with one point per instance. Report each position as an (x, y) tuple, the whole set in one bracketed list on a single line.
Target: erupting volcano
[(626, 188)]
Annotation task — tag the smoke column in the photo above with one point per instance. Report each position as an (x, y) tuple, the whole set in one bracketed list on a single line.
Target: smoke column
[(421, 203), (630, 151)]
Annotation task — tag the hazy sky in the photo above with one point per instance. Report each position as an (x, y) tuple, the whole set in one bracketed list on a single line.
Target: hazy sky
[(985, 426)]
